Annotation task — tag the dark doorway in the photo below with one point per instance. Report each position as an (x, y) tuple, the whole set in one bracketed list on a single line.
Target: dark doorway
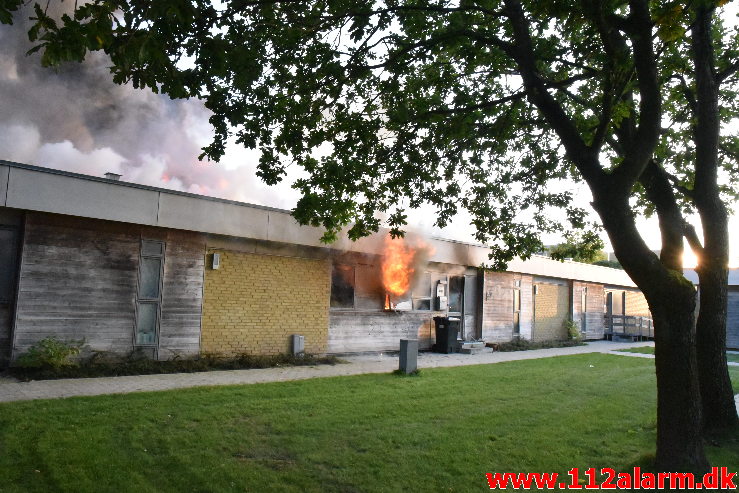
[(8, 276)]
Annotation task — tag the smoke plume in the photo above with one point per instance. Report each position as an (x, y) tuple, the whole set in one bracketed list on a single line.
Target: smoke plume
[(76, 119)]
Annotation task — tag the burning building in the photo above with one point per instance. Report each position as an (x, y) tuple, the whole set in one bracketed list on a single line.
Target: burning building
[(128, 268)]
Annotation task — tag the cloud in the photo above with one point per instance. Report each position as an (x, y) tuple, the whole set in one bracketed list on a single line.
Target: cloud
[(76, 119)]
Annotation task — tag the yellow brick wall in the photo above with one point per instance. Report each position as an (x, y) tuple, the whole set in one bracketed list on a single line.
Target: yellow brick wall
[(551, 309), (636, 304), (253, 303)]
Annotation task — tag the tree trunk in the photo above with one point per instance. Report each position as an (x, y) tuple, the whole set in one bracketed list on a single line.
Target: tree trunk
[(679, 432), (719, 409), (671, 299)]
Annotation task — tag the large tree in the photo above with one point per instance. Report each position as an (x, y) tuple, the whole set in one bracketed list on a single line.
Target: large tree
[(485, 105)]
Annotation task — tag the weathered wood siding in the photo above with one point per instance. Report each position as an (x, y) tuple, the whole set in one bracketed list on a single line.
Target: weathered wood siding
[(732, 319), (182, 295), (497, 306), (6, 320), (593, 312), (79, 281)]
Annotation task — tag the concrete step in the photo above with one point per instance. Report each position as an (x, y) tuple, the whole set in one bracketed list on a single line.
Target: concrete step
[(470, 350), (471, 344)]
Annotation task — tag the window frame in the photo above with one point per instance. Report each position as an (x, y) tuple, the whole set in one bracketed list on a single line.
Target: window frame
[(517, 310), (428, 297), (149, 301), (584, 309)]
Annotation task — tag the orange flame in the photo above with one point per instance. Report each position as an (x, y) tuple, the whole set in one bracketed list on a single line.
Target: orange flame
[(397, 267)]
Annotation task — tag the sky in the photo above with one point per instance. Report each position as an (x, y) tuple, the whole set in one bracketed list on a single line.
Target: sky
[(75, 119)]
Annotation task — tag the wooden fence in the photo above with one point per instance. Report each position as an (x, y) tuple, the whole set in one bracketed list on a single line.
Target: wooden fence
[(632, 326)]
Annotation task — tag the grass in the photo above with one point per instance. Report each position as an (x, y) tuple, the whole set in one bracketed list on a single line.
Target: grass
[(640, 350), (439, 431), (732, 358)]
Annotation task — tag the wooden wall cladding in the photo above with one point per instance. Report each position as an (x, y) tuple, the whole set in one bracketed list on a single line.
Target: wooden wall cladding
[(78, 280)]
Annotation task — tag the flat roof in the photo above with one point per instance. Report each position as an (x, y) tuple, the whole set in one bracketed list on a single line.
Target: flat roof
[(692, 276), (36, 188)]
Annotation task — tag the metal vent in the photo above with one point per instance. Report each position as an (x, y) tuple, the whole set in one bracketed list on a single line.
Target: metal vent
[(298, 345)]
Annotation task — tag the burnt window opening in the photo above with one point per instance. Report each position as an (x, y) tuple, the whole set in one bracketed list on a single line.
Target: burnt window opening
[(456, 288), (421, 293), (342, 286)]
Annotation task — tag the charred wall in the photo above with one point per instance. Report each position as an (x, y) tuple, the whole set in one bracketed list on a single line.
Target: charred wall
[(359, 321)]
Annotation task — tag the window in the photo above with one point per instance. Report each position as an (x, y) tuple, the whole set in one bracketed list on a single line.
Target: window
[(516, 311), (342, 286), (149, 296), (422, 293), (583, 309), (8, 253)]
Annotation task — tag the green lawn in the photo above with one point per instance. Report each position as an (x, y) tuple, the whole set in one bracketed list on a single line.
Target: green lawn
[(734, 358), (641, 350), (440, 431)]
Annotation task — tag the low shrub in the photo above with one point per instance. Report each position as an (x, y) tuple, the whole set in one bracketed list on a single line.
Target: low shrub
[(526, 345), (50, 353), (102, 364), (573, 331)]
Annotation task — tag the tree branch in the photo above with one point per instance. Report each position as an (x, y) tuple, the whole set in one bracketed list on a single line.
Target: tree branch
[(462, 109), (727, 72), (584, 157), (647, 134), (693, 239), (655, 181)]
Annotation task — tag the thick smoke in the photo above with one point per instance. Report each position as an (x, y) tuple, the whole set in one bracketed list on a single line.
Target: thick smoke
[(76, 119)]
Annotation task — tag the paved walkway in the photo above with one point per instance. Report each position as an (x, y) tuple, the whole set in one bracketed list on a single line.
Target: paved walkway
[(11, 390)]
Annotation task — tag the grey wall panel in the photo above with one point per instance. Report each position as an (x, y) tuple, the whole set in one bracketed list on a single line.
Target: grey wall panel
[(193, 214), (4, 171), (283, 228), (38, 191)]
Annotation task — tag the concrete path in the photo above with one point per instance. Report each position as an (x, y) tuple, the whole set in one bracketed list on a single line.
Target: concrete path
[(11, 390), (651, 356)]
